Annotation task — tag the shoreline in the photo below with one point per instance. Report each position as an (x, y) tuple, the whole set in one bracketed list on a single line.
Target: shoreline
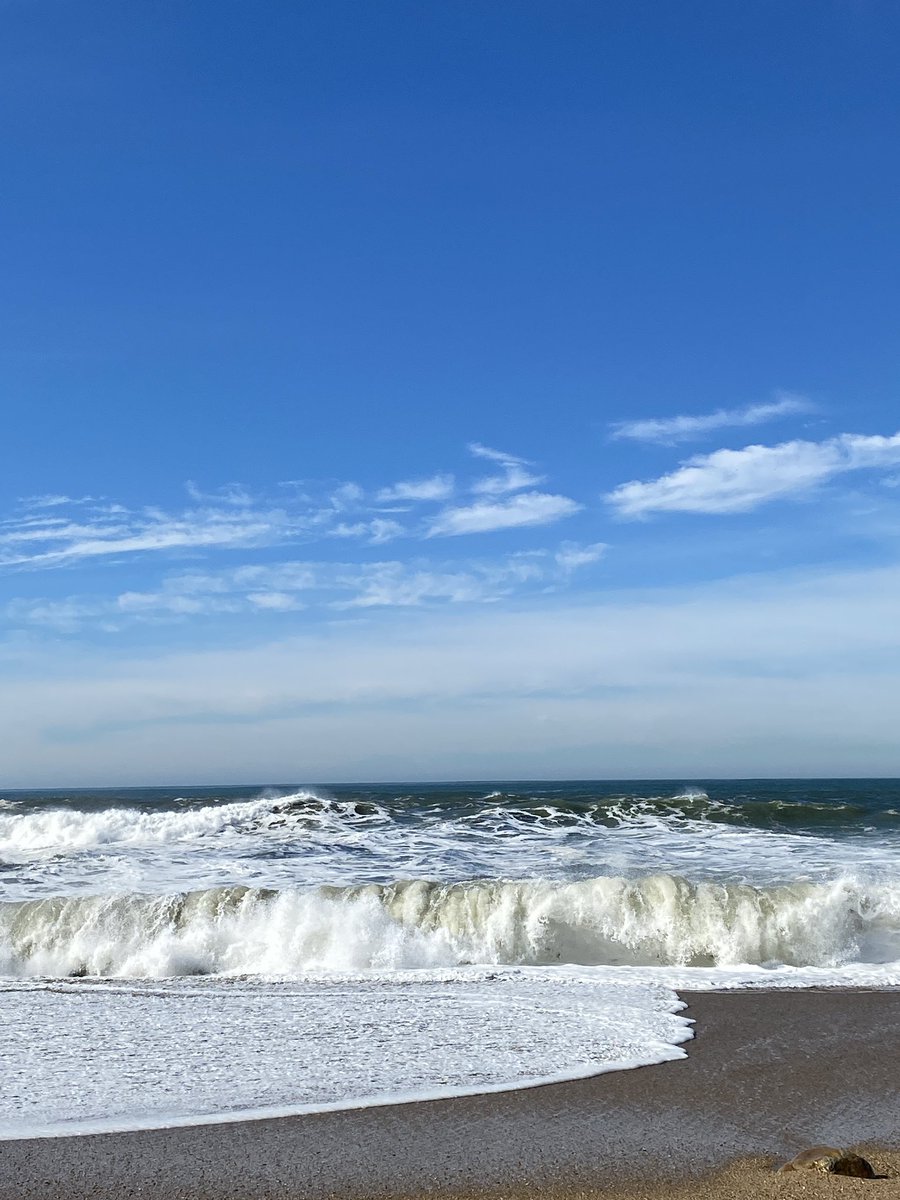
[(766, 1074)]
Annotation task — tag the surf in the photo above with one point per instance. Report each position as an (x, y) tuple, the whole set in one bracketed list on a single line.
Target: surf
[(659, 920)]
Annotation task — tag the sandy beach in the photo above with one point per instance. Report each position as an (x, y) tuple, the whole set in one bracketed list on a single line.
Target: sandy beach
[(767, 1074)]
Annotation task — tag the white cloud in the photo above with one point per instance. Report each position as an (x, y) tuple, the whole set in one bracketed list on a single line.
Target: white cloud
[(515, 472), (395, 584), (864, 450), (571, 555), (528, 508), (64, 616), (729, 481), (58, 530), (512, 480), (174, 604), (52, 500), (282, 577), (270, 587), (348, 495), (376, 532), (230, 493), (498, 456), (668, 430), (235, 520), (154, 532), (275, 587), (53, 532), (392, 585), (437, 487), (274, 601)]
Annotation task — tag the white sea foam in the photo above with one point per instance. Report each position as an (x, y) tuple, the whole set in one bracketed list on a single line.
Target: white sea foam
[(276, 840), (63, 830), (657, 920), (190, 1049)]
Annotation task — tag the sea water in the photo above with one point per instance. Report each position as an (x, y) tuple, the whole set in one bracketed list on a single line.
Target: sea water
[(171, 955)]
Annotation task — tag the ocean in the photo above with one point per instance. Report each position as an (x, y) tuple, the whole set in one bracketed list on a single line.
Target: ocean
[(172, 955)]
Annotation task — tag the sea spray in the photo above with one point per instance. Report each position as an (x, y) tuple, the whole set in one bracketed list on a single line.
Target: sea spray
[(69, 829), (657, 920)]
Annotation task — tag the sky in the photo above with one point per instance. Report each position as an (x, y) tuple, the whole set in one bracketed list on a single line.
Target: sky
[(471, 389)]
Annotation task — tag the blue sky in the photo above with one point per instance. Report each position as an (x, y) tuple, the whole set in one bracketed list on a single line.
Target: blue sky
[(448, 390)]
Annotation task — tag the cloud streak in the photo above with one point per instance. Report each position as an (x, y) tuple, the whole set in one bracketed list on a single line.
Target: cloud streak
[(733, 481), (288, 587), (141, 533), (436, 487), (525, 509), (56, 531), (570, 556), (514, 477), (669, 430), (376, 532)]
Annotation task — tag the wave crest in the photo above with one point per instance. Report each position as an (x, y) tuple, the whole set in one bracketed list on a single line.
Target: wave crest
[(658, 920), (61, 830)]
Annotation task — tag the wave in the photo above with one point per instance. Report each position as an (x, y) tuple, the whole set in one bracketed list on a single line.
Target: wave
[(66, 829), (658, 920), (61, 830)]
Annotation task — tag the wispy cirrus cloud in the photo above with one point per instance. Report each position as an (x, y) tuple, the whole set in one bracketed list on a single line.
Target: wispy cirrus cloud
[(287, 587), (570, 556), (171, 603), (53, 500), (485, 516), (229, 493), (479, 450), (435, 487), (57, 544), (274, 601), (515, 473), (376, 532), (685, 428), (731, 481), (223, 519), (347, 496), (62, 616), (54, 530), (396, 585)]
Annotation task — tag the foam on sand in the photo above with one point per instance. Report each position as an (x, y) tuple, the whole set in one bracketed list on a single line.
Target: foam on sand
[(190, 1050)]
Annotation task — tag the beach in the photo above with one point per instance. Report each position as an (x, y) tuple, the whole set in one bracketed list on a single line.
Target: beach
[(449, 590), (767, 1074), (446, 990)]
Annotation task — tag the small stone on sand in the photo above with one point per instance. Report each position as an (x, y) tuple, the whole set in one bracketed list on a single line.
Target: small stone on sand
[(829, 1160)]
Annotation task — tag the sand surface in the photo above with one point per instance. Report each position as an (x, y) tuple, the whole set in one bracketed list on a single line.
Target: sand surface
[(768, 1074)]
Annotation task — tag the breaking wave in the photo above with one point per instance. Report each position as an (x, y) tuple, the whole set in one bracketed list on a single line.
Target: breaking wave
[(66, 829), (653, 921)]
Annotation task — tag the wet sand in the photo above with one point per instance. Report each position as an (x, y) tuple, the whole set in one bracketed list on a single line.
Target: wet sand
[(767, 1074)]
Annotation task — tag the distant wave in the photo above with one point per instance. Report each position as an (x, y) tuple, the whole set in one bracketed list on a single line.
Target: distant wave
[(62, 830), (658, 920)]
